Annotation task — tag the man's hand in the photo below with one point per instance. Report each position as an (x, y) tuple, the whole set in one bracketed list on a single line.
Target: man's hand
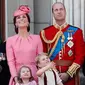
[(64, 76)]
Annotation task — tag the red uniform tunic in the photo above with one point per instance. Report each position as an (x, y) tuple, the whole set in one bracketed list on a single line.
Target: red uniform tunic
[(72, 52)]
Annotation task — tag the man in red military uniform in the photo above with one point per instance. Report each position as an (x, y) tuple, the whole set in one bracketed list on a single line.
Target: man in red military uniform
[(64, 44)]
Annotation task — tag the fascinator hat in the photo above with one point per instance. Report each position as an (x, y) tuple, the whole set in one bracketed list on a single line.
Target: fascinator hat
[(23, 9)]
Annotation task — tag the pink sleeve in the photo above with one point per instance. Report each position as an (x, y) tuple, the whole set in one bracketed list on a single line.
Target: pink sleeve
[(39, 47), (10, 57)]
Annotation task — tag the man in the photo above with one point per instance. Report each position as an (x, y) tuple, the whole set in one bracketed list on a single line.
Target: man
[(64, 44)]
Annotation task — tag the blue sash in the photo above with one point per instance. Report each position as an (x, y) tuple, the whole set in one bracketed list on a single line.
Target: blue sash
[(59, 47)]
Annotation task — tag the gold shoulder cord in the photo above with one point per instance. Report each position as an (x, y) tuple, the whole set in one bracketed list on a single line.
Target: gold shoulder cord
[(44, 38), (56, 38)]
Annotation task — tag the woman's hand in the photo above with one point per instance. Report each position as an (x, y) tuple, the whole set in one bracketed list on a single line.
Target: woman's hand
[(17, 84), (16, 79)]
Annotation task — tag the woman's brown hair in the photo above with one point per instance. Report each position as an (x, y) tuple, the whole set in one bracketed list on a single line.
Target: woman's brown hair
[(14, 21)]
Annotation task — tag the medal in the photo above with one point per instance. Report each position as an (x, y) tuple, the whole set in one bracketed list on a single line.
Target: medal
[(63, 39), (70, 53), (70, 44), (70, 34)]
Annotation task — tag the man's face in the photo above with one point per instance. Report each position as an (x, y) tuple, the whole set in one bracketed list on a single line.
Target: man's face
[(59, 12)]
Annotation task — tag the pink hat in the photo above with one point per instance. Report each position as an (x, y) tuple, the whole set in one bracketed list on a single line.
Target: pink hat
[(23, 9)]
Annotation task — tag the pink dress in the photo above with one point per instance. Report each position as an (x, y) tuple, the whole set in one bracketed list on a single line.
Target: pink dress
[(22, 51), (30, 83)]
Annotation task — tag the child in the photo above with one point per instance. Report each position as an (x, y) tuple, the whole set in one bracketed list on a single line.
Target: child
[(47, 74), (25, 76)]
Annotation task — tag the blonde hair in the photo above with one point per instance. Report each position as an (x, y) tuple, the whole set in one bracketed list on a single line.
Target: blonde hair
[(58, 3), (38, 57)]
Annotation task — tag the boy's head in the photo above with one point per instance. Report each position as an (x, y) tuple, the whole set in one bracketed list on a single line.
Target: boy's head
[(42, 60)]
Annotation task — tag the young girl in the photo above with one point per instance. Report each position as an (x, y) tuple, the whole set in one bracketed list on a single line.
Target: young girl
[(25, 76), (47, 74)]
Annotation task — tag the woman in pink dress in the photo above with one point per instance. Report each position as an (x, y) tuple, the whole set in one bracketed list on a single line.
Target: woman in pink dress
[(23, 47)]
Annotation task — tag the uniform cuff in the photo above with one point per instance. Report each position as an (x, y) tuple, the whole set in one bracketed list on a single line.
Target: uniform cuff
[(72, 69)]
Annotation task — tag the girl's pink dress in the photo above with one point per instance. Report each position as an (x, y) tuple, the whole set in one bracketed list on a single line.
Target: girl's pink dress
[(22, 51), (30, 83)]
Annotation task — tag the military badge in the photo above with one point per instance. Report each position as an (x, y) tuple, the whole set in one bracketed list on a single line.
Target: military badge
[(70, 53), (70, 44), (70, 34)]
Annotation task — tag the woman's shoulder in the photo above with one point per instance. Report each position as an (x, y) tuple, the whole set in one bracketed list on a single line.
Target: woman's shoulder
[(11, 38), (35, 36)]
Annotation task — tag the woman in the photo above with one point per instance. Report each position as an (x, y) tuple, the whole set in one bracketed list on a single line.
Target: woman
[(23, 47)]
